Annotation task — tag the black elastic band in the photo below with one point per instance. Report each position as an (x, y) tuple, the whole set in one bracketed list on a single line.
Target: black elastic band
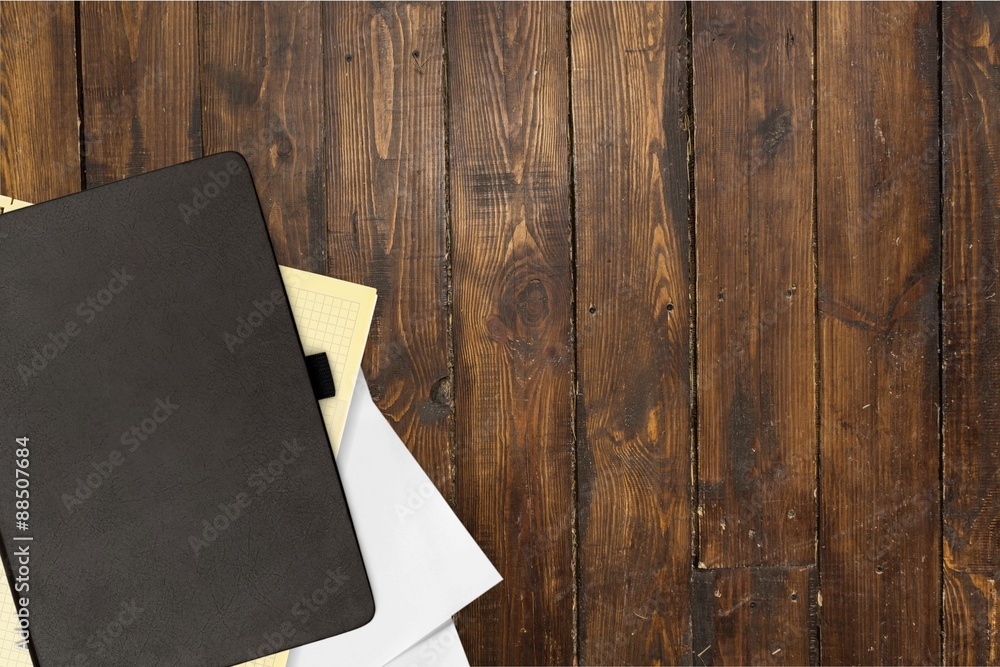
[(320, 376)]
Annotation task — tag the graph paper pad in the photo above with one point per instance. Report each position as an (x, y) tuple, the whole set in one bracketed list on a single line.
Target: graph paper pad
[(8, 204), (331, 315)]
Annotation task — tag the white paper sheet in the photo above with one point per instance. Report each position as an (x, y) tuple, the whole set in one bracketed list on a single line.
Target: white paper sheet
[(422, 563), (441, 649)]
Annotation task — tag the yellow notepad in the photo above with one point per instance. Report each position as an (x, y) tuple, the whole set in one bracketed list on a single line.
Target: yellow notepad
[(8, 204), (332, 316)]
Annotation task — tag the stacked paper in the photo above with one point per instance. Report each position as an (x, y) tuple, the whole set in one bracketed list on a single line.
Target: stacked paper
[(422, 564)]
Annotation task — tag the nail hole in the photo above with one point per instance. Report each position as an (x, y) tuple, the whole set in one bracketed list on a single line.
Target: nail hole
[(348, 57), (878, 569), (592, 309), (753, 605), (789, 294), (795, 596), (721, 296), (415, 54), (670, 307), (791, 514)]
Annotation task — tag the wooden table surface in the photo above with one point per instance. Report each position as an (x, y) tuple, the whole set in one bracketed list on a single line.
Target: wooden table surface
[(690, 310)]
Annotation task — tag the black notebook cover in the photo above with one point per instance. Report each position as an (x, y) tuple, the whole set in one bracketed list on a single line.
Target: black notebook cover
[(183, 505)]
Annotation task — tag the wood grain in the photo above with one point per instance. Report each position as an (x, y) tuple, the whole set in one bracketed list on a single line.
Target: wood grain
[(359, 120), (755, 616), (971, 264), (513, 289), (630, 134), (387, 208), (139, 62), (262, 95), (39, 119), (879, 243), (756, 329)]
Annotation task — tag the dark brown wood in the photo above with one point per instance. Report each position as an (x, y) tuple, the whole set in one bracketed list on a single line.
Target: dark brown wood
[(756, 329), (39, 120), (357, 117), (513, 290), (630, 135), (387, 209), (139, 62), (754, 616), (879, 243), (262, 95), (971, 310)]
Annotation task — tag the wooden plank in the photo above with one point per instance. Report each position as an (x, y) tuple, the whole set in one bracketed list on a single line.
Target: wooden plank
[(630, 122), (756, 329), (387, 207), (142, 106), (507, 87), (754, 616), (262, 95), (39, 120), (971, 264), (971, 615), (879, 244)]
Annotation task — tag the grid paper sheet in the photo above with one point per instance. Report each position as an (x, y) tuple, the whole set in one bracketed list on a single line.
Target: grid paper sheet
[(331, 315), (8, 204)]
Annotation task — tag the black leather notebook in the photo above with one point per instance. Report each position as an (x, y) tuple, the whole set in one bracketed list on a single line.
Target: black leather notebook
[(167, 497)]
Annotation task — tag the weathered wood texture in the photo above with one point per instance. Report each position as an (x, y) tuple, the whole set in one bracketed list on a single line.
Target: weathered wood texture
[(602, 361), (879, 246), (262, 95), (755, 616), (971, 328), (756, 328), (513, 288), (630, 123), (387, 209), (39, 119), (139, 63)]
